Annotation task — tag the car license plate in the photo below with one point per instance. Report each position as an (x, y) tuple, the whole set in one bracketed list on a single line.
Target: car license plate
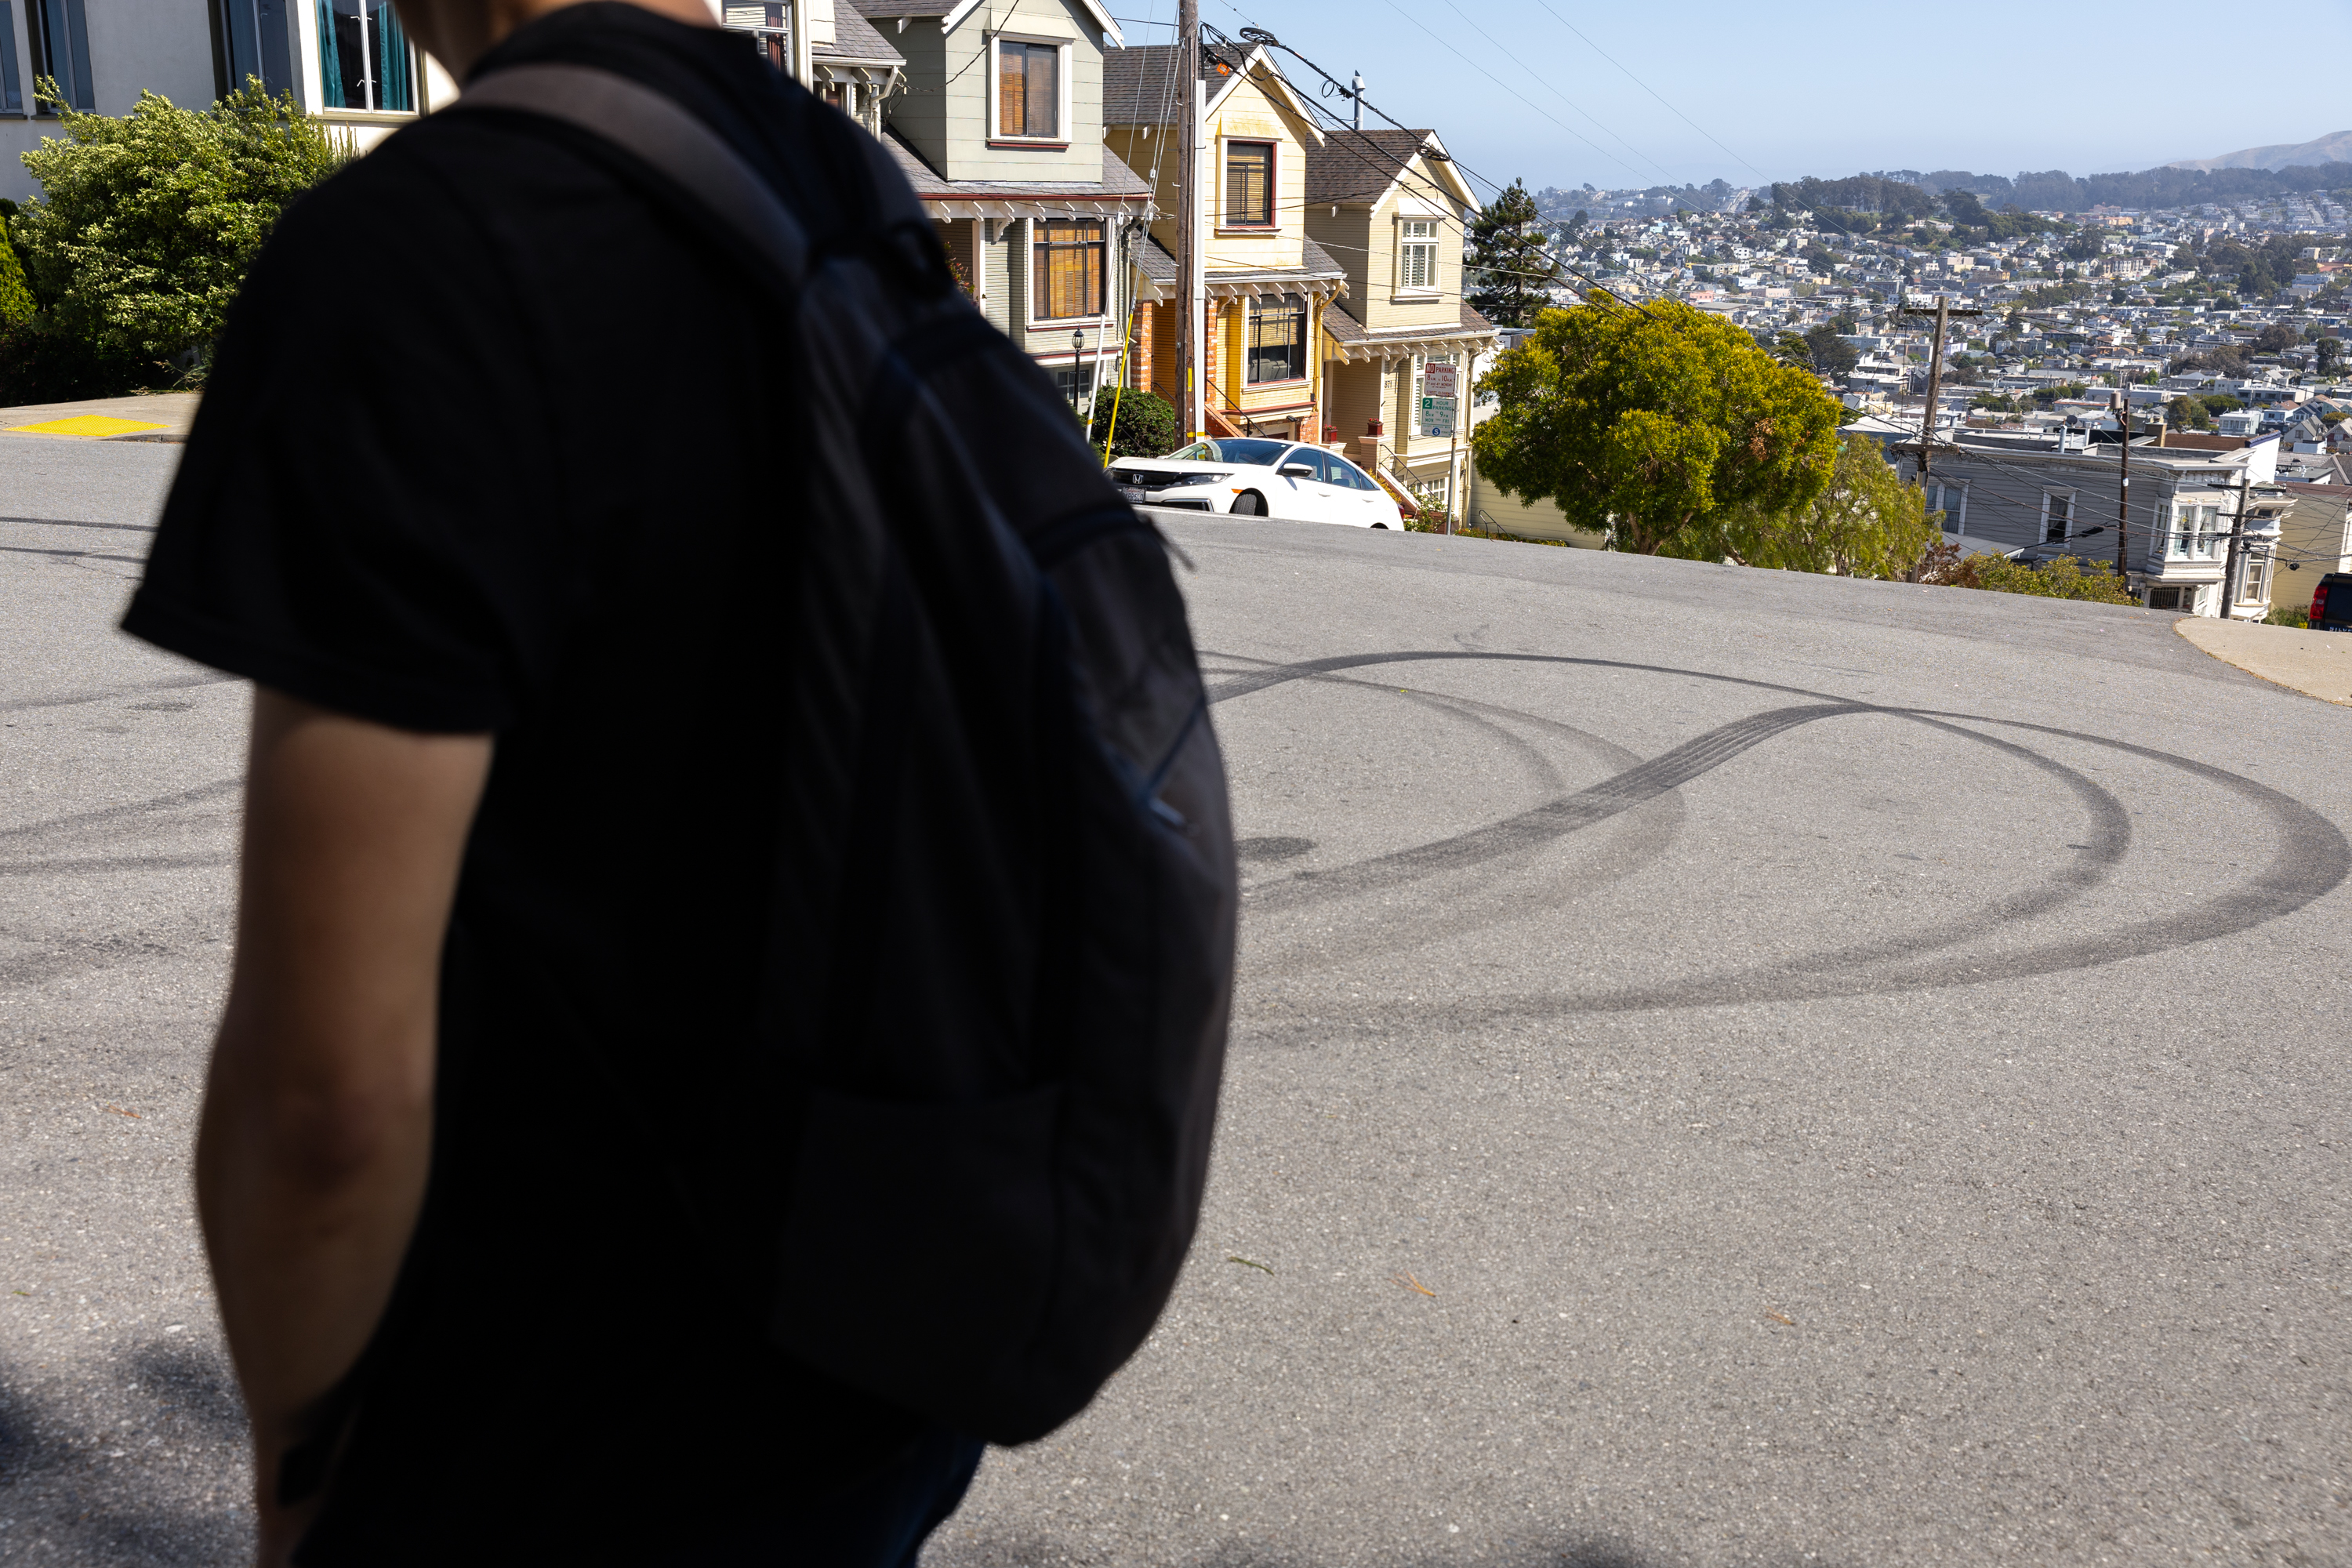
[(1131, 492)]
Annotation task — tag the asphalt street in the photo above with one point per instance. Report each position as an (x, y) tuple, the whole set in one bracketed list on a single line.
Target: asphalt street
[(1729, 1066)]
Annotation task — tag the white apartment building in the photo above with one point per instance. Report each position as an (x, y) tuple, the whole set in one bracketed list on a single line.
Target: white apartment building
[(346, 61)]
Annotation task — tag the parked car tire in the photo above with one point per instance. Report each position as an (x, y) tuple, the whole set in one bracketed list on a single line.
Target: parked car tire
[(1249, 503)]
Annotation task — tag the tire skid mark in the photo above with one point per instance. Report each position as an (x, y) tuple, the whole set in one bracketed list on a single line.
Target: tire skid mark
[(2313, 859), (75, 698)]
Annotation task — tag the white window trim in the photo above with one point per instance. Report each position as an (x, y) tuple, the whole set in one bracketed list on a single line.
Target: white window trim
[(1955, 519), (1435, 288), (996, 132), (1105, 322), (1274, 182), (2071, 496)]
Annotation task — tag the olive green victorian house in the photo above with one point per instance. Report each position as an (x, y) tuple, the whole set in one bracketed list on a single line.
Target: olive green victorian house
[(997, 121)]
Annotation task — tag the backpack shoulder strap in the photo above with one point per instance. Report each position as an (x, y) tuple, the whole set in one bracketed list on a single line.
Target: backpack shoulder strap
[(665, 136)]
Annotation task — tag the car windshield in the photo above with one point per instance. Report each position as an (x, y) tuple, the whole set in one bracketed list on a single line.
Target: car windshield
[(1239, 449)]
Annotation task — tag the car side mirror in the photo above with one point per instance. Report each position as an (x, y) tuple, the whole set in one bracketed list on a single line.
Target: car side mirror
[(1297, 470)]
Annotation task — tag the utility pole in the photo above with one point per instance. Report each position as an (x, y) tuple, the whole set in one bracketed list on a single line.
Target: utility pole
[(2237, 542), (1188, 209), (2122, 488), (1943, 312), (1356, 93)]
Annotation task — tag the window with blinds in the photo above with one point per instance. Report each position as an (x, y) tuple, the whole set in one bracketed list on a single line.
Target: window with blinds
[(1249, 184), (1028, 89), (1067, 261), (1417, 254), (1278, 339)]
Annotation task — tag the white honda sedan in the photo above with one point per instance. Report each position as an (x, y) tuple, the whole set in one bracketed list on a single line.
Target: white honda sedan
[(1248, 476)]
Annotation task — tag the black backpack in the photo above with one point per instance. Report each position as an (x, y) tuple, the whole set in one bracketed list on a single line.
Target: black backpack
[(1002, 961)]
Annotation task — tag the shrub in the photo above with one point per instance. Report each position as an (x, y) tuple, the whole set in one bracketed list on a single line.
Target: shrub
[(1147, 424), (15, 294), (147, 222), (2295, 615), (2064, 578)]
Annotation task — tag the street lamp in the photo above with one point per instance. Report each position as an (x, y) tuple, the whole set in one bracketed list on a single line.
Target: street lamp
[(1077, 348)]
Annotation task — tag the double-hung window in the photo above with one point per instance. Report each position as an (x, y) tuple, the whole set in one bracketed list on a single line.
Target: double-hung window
[(1952, 500), (2057, 516), (1278, 339), (1028, 90), (58, 31), (1416, 254), (2253, 591), (12, 88), (1066, 261), (252, 41), (363, 57), (1249, 184)]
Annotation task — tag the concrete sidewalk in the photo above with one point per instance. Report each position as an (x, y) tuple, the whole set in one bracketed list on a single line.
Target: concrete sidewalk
[(2317, 664), (144, 417)]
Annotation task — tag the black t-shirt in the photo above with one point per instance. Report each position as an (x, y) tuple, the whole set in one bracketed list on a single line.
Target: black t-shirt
[(496, 442)]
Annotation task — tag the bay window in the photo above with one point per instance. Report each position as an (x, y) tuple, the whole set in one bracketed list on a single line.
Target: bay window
[(1028, 90), (1066, 262), (1277, 339), (363, 57), (1249, 184)]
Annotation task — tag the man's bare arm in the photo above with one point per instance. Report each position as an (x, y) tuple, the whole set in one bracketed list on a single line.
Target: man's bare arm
[(317, 1131)]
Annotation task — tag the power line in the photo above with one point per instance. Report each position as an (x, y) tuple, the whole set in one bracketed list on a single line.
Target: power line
[(1646, 87), (1490, 37)]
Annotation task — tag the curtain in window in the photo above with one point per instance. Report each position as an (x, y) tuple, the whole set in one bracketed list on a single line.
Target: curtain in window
[(391, 51), (1277, 339), (1028, 89), (1249, 183), (1069, 266), (330, 65)]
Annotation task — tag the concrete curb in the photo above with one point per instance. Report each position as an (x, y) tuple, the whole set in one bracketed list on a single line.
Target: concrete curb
[(2317, 664), (170, 413)]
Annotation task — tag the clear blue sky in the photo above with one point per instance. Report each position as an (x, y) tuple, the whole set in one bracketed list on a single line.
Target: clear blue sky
[(1826, 89)]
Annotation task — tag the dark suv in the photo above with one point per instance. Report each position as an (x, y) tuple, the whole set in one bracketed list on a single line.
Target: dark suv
[(2331, 604)]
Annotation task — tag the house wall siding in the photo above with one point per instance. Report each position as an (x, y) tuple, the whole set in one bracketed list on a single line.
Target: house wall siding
[(921, 117), (971, 80)]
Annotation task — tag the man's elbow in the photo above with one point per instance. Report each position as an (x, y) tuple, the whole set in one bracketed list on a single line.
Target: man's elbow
[(327, 1138)]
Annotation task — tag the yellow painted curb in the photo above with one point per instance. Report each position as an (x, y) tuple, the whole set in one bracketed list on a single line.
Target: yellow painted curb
[(2317, 664), (85, 425)]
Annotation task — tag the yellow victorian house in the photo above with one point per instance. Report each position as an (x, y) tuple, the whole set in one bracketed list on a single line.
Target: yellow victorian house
[(1392, 207), (1266, 283)]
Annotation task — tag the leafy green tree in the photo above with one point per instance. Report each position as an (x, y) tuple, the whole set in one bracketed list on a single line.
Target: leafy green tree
[(1654, 422), (1864, 523), (1147, 424), (15, 294), (2276, 338), (1832, 355), (2220, 403), (146, 223), (2331, 350), (1509, 262), (2186, 412)]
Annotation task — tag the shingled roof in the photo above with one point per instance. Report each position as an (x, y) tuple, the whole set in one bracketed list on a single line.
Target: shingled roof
[(1359, 165), (856, 42), (1139, 83)]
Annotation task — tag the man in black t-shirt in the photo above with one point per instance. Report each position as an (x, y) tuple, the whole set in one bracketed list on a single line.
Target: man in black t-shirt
[(483, 498)]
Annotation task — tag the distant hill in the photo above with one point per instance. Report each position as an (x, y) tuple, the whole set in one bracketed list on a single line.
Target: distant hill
[(2331, 149)]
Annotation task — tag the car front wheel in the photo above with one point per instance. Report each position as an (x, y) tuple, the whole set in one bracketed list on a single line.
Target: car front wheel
[(1249, 503)]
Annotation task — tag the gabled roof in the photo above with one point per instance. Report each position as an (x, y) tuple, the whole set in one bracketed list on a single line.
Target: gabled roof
[(856, 41), (953, 12), (1365, 165), (1139, 84)]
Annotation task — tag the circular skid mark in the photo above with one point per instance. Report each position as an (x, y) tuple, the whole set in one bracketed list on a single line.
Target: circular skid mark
[(1272, 847), (2312, 860)]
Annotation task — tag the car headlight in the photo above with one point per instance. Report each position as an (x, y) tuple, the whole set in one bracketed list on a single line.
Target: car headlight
[(1207, 478)]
